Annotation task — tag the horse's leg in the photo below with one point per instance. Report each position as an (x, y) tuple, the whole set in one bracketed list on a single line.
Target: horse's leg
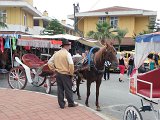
[(88, 92), (98, 83), (78, 83)]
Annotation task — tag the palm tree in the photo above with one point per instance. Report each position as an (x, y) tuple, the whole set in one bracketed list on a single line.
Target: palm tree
[(104, 31), (119, 36), (2, 24)]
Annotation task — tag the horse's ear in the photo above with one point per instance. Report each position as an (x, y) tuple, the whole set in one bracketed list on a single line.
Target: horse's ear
[(103, 42), (111, 43), (107, 45)]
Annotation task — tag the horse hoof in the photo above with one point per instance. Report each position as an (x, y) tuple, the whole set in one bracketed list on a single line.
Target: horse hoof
[(98, 109)]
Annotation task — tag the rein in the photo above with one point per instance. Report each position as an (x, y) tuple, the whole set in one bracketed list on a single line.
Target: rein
[(97, 70)]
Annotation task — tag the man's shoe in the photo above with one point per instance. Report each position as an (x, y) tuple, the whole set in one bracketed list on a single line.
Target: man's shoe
[(72, 105), (62, 107)]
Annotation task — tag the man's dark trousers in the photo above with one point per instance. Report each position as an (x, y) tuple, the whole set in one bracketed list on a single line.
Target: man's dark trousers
[(107, 70), (64, 86)]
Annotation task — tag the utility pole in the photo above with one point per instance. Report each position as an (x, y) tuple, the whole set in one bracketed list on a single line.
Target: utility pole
[(76, 10)]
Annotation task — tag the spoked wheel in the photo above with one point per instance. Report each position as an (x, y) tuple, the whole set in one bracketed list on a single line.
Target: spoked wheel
[(38, 80), (17, 78), (132, 113), (47, 86)]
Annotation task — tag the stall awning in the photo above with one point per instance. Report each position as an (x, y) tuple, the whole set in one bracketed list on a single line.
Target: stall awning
[(42, 43), (90, 42), (154, 37), (58, 36)]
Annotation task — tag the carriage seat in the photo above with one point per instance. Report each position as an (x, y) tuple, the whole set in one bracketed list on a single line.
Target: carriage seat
[(144, 88), (32, 61)]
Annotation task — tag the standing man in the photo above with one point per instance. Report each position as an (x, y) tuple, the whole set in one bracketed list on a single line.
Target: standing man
[(107, 70), (62, 63)]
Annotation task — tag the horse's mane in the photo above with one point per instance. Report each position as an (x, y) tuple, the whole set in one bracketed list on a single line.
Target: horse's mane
[(99, 54)]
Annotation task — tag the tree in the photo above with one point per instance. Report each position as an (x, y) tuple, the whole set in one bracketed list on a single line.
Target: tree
[(154, 26), (2, 24), (120, 36), (54, 27), (104, 31)]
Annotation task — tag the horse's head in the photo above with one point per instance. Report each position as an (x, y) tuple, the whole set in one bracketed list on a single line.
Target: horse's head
[(109, 54)]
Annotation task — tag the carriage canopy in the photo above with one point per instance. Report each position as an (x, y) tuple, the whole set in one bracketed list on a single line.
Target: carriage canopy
[(144, 45)]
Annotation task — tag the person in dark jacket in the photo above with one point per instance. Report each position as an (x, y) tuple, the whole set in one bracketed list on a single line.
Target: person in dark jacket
[(107, 70), (130, 64)]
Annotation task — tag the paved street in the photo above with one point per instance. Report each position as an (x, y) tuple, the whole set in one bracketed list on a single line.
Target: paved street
[(114, 96)]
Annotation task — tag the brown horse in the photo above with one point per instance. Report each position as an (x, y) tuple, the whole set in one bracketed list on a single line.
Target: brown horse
[(95, 73)]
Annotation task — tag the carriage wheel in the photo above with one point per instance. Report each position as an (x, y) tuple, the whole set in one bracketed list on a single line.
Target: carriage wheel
[(17, 78), (47, 86), (39, 81), (74, 85), (132, 113)]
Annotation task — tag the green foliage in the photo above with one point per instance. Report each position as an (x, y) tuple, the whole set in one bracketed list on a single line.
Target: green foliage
[(104, 31), (55, 27), (120, 36), (154, 26)]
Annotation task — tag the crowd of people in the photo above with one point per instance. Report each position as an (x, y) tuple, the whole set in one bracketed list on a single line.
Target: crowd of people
[(128, 64)]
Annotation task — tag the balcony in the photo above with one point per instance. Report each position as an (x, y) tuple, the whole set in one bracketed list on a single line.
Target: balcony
[(22, 4)]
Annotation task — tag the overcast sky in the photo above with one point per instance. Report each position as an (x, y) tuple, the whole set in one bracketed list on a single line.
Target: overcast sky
[(59, 9)]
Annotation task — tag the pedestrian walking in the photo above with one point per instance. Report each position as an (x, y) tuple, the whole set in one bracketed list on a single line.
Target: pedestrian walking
[(121, 67), (107, 70), (63, 64), (130, 64)]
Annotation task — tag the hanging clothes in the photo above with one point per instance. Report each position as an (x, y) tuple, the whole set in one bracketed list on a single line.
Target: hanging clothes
[(7, 42), (14, 42), (2, 44)]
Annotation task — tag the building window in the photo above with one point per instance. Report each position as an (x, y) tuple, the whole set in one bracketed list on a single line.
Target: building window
[(114, 22), (3, 16), (102, 19), (25, 20), (36, 22)]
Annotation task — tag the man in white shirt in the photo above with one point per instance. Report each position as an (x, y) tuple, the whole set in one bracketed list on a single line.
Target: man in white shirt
[(107, 65)]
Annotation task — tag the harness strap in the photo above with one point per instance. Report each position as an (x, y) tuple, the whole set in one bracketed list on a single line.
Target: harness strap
[(99, 71), (89, 56)]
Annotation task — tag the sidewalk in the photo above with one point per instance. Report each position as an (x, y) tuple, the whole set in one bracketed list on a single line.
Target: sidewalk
[(28, 105)]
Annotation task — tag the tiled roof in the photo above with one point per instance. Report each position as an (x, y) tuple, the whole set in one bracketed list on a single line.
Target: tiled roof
[(116, 8)]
